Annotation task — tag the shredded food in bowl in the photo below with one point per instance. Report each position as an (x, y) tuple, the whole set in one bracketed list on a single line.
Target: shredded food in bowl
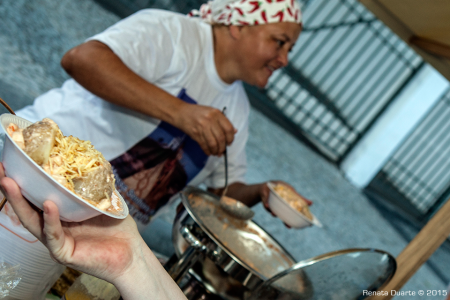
[(72, 162), (72, 158), (293, 199)]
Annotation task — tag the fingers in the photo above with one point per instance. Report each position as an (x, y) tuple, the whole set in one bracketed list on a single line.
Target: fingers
[(55, 238), (218, 135), (208, 127), (208, 143), (31, 219), (218, 140), (228, 130)]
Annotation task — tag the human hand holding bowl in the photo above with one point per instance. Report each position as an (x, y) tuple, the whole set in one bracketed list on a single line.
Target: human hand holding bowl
[(293, 209)]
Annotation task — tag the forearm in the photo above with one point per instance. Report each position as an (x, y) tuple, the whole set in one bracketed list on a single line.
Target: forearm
[(109, 78), (147, 279), (247, 194)]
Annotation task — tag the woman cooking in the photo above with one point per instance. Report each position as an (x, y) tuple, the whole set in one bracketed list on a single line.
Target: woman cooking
[(149, 92)]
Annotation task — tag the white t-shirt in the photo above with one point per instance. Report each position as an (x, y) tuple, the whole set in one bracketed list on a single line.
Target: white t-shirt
[(174, 52)]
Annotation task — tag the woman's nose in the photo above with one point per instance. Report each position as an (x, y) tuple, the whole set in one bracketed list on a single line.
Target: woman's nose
[(283, 57)]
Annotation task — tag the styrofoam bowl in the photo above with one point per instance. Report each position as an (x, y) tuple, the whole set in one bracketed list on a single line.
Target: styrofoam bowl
[(38, 186), (287, 213)]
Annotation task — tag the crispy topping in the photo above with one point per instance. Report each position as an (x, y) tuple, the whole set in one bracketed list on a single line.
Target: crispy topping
[(73, 158)]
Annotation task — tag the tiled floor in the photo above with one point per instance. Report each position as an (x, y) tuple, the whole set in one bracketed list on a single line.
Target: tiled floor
[(35, 34)]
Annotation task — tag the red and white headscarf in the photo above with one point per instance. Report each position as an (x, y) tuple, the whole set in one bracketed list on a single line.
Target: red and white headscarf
[(249, 12)]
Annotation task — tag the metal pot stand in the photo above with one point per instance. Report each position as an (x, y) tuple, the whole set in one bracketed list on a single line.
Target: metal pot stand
[(210, 243)]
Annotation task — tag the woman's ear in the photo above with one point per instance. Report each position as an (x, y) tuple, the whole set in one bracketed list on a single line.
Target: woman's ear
[(235, 31)]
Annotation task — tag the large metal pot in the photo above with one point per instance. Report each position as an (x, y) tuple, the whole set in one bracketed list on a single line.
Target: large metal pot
[(230, 257)]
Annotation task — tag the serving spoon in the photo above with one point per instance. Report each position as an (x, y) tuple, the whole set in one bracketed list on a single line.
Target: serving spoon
[(232, 206)]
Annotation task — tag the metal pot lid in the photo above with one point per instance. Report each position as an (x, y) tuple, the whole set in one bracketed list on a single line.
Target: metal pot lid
[(342, 275), (244, 241)]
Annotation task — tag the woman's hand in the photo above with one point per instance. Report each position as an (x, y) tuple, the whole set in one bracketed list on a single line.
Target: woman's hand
[(208, 126), (104, 247), (253, 194)]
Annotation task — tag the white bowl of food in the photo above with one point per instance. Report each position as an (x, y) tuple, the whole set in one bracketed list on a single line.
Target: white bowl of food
[(49, 166), (290, 207)]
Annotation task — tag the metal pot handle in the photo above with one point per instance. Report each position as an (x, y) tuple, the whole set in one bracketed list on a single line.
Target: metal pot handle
[(191, 239), (177, 268)]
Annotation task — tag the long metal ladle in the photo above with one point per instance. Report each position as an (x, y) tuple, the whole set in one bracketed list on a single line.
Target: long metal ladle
[(232, 206)]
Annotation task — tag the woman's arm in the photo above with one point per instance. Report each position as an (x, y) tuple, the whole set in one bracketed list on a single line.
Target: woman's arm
[(98, 69)]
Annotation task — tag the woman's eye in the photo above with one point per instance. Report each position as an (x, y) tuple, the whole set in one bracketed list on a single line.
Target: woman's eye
[(281, 43)]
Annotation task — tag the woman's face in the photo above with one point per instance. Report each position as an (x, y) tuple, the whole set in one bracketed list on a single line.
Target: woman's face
[(262, 49)]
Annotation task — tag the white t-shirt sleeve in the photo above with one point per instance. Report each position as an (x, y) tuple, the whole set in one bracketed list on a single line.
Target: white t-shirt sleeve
[(143, 42)]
